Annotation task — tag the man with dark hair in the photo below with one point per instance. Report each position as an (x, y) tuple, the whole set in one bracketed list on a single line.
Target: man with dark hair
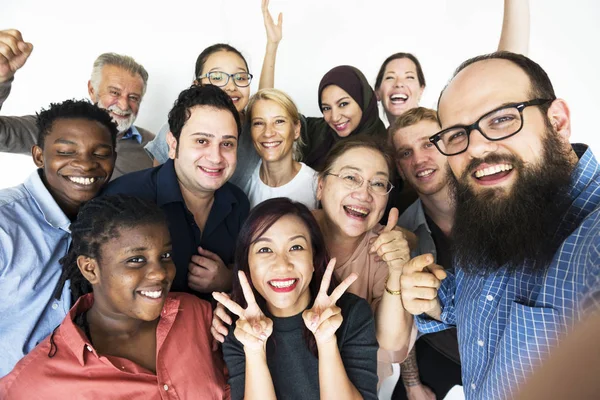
[(205, 212), (526, 233), (75, 156), (117, 84), (434, 362)]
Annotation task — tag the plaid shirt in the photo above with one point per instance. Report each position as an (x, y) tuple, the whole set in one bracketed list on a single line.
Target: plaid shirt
[(508, 322)]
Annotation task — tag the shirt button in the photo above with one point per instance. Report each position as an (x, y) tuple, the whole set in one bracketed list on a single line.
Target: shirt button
[(480, 343), (489, 297), (166, 387), (473, 386), (88, 348), (54, 306)]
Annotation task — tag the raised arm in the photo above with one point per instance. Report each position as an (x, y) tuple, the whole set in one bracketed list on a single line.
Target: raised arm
[(515, 27), (17, 134), (274, 34)]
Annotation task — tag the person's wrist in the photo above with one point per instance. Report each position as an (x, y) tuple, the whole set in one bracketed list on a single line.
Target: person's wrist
[(328, 343)]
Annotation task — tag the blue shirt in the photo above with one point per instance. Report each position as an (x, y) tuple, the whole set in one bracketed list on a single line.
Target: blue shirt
[(413, 219), (509, 321), (133, 133), (227, 214), (34, 235)]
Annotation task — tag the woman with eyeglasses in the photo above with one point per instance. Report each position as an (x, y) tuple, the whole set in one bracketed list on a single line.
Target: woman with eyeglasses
[(224, 66), (353, 189)]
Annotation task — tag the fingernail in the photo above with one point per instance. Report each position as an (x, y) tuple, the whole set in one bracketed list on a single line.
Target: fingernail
[(263, 336)]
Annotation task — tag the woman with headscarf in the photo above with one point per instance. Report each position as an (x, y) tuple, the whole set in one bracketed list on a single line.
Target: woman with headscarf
[(349, 108)]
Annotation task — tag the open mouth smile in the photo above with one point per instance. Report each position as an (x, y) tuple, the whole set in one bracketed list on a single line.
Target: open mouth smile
[(492, 174), (283, 285), (357, 212)]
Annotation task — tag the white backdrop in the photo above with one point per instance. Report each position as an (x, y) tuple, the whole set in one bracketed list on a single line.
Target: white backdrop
[(318, 34)]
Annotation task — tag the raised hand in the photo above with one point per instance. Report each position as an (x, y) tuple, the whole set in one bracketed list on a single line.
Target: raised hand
[(252, 328), (13, 53), (419, 283), (324, 318), (274, 31), (391, 245), (208, 273)]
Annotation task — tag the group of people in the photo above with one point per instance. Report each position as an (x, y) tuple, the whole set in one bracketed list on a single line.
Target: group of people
[(127, 257)]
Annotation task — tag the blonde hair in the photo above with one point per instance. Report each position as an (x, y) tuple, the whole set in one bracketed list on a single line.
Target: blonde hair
[(413, 117), (288, 105)]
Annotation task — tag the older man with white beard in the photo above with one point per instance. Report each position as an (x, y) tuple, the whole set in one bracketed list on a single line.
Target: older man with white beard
[(117, 84)]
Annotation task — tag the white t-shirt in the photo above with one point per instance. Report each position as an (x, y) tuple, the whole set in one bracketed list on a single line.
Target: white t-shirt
[(303, 188)]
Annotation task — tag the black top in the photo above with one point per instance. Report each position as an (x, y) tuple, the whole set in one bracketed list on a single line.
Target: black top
[(295, 370), (227, 214)]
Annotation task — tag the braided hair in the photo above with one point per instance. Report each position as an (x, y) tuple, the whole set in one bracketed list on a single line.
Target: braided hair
[(98, 221)]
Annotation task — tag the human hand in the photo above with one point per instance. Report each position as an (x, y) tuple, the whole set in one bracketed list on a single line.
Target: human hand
[(274, 31), (220, 321), (391, 245), (324, 318), (419, 283), (253, 327), (13, 53), (208, 273), (419, 392)]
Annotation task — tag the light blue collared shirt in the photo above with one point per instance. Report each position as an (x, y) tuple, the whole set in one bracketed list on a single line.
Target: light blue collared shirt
[(133, 133), (34, 235)]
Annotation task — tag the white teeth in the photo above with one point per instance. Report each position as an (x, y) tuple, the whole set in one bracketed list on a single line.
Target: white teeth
[(282, 284), (153, 295), (271, 144), (398, 97), (358, 210), (81, 180), (493, 170), (210, 170), (427, 172)]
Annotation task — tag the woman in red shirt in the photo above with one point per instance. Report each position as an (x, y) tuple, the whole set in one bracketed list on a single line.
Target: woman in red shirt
[(130, 337)]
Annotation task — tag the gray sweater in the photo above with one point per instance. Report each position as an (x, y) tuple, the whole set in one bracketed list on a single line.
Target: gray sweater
[(295, 370), (19, 135)]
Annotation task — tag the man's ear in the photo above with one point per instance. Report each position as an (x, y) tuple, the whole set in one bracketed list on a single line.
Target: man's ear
[(89, 269), (560, 118), (172, 143), (91, 92), (38, 156)]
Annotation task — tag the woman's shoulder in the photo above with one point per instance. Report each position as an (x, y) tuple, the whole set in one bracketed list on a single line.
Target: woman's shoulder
[(189, 301), (353, 304)]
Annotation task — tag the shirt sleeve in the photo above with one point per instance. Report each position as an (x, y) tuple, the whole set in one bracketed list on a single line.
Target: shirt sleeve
[(17, 134), (233, 353), (158, 149), (359, 349), (448, 317)]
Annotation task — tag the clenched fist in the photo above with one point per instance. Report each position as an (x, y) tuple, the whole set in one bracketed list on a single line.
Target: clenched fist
[(14, 52)]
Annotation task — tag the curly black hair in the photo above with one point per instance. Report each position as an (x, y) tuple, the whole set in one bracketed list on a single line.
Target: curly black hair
[(72, 109), (98, 221), (206, 95)]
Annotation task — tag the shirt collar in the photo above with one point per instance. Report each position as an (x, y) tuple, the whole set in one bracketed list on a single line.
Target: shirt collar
[(167, 185), (133, 133), (418, 216), (79, 344), (51, 211), (585, 171)]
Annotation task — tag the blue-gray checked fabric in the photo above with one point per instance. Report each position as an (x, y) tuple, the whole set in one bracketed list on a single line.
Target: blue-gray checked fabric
[(508, 322)]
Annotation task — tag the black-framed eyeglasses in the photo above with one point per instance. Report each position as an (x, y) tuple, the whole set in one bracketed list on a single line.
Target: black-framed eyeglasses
[(496, 125), (220, 78), (354, 181)]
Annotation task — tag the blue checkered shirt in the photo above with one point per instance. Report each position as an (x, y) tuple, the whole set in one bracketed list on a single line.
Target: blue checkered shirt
[(508, 322)]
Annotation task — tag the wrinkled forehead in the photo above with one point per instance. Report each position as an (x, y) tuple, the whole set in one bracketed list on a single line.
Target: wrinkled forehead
[(480, 88)]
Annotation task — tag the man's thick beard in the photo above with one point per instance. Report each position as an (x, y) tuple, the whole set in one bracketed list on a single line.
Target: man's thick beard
[(493, 230), (122, 126)]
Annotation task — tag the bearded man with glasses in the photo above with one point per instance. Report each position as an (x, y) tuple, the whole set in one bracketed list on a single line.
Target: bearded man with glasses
[(526, 234)]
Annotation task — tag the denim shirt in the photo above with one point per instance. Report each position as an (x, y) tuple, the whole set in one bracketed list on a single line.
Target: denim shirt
[(34, 235)]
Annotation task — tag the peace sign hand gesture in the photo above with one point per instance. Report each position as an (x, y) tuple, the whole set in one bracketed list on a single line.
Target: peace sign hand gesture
[(252, 328), (324, 318)]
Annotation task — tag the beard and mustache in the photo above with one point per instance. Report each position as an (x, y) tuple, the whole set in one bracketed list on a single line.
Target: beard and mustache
[(122, 125), (494, 229)]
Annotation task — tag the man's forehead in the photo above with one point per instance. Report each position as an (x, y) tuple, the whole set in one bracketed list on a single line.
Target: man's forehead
[(416, 133), (114, 75), (481, 87)]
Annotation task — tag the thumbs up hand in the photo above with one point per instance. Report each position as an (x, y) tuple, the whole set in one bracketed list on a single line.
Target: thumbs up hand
[(391, 245)]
